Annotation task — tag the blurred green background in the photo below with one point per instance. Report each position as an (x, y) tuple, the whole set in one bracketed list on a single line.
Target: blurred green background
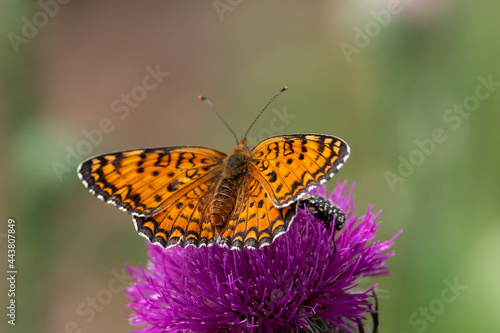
[(383, 76)]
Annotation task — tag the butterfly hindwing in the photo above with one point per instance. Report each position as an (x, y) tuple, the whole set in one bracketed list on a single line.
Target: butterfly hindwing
[(289, 166), (144, 182), (255, 221), (184, 222)]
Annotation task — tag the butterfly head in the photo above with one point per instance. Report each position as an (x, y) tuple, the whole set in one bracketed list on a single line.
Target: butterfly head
[(243, 145)]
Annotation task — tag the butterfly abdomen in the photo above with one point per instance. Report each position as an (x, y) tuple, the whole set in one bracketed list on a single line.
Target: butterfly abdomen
[(226, 192), (224, 201)]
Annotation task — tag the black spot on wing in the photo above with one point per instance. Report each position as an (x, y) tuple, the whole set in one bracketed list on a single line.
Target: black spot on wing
[(172, 187), (272, 176)]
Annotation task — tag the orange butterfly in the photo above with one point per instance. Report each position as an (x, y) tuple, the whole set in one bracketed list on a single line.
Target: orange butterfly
[(199, 196)]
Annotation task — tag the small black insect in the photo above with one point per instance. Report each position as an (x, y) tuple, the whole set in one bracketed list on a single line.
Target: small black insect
[(325, 210)]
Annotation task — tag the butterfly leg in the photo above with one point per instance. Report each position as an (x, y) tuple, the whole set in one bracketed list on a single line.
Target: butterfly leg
[(324, 210)]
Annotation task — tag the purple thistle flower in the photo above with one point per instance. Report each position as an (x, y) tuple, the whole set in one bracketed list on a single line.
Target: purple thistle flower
[(306, 280)]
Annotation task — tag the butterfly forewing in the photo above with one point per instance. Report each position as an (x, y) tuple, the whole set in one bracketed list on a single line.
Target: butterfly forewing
[(289, 166), (144, 182)]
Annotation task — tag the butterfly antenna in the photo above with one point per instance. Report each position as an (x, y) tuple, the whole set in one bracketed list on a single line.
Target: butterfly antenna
[(264, 109), (206, 100)]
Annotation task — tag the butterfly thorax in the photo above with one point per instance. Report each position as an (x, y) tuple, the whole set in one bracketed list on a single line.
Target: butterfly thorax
[(226, 192), (235, 164)]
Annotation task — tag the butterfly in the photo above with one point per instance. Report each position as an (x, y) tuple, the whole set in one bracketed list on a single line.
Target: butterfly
[(195, 196)]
